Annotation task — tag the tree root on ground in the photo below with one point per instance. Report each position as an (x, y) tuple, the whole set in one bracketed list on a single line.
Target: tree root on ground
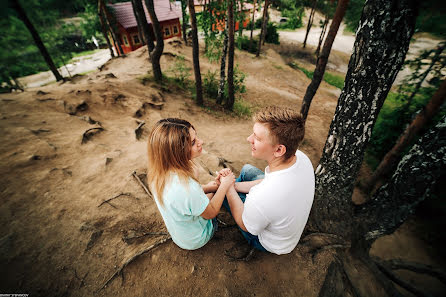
[(117, 196), (131, 259), (139, 129), (246, 257), (142, 184), (90, 132), (130, 239)]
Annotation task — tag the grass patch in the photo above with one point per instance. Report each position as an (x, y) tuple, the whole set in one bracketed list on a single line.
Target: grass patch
[(75, 55), (242, 108), (330, 78)]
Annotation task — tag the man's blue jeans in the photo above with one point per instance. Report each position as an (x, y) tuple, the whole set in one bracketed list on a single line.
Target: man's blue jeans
[(248, 173)]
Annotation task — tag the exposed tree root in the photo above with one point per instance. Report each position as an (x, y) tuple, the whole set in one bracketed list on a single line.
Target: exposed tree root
[(139, 130), (316, 251), (90, 132), (246, 257), (406, 285), (326, 235), (413, 266), (130, 239), (131, 259), (333, 285), (117, 196), (142, 184), (82, 280)]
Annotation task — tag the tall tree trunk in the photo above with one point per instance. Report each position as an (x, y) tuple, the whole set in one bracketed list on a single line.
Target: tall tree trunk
[(377, 57), (321, 37), (138, 21), (145, 28), (46, 56), (111, 29), (416, 177), (221, 88), (263, 29), (155, 55), (253, 20), (196, 53), (104, 30), (389, 161), (231, 96), (241, 21), (184, 25), (266, 27), (322, 60), (310, 21)]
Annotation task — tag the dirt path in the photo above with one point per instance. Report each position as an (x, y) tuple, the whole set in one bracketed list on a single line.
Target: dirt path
[(56, 239)]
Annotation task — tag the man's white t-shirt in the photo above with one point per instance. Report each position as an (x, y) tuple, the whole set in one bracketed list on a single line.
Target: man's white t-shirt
[(277, 209)]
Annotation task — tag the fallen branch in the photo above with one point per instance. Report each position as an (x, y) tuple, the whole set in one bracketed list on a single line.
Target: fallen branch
[(90, 132), (406, 285), (142, 184), (128, 239), (138, 130), (120, 270), (117, 196)]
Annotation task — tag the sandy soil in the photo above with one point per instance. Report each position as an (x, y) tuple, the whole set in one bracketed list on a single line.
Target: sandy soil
[(56, 239)]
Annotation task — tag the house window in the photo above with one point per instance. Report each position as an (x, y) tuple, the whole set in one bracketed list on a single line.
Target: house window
[(136, 39), (175, 30), (166, 31), (126, 41)]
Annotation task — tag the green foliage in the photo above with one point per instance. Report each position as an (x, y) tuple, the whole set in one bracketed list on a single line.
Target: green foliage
[(241, 108), (211, 83), (294, 16), (330, 78), (271, 34), (180, 71), (258, 24), (246, 45)]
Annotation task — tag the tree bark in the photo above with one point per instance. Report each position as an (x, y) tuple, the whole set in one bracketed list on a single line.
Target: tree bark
[(155, 55), (253, 20), (143, 25), (184, 25), (380, 48), (138, 22), (104, 31), (263, 29), (310, 22), (112, 30), (196, 54), (321, 37), (389, 161), (417, 175), (230, 101), (322, 60), (221, 88), (35, 35)]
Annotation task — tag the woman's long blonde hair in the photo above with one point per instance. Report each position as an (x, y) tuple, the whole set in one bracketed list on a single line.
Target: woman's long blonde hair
[(169, 151)]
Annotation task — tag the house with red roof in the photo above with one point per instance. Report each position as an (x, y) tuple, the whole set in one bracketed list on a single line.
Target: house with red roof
[(122, 15)]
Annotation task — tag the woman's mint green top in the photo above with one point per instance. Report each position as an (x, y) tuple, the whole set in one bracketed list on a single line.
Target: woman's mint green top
[(184, 202)]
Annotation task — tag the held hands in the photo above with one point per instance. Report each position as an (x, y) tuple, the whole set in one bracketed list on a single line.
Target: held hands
[(225, 177)]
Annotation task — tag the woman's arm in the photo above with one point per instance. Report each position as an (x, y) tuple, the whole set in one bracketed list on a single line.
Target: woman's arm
[(210, 187), (214, 205)]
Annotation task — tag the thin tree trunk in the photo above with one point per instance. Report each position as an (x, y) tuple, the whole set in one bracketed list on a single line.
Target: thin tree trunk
[(263, 29), (196, 54), (310, 22), (104, 26), (230, 101), (423, 117), (104, 31), (221, 88), (321, 37), (241, 21), (112, 30), (184, 25), (377, 57), (145, 28), (138, 21), (46, 56), (321, 62), (155, 55), (266, 27), (253, 20), (416, 177)]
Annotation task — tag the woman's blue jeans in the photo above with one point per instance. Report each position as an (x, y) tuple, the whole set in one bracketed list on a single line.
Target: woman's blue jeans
[(248, 173)]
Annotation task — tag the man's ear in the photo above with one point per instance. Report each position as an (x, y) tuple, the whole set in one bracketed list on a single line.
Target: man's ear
[(280, 151)]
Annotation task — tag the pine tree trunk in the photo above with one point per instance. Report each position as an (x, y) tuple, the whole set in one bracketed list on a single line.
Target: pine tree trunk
[(417, 175), (155, 55), (46, 56), (221, 88), (263, 29), (389, 161), (138, 22), (183, 11), (241, 20), (321, 37), (322, 60), (380, 48), (144, 28), (104, 32), (253, 20), (196, 54), (230, 101), (310, 21), (111, 29), (266, 27)]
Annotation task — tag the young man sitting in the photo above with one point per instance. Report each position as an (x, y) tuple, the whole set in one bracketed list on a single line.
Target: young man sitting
[(272, 208)]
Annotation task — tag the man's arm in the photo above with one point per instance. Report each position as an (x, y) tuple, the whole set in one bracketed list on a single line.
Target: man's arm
[(210, 187), (237, 207), (245, 187)]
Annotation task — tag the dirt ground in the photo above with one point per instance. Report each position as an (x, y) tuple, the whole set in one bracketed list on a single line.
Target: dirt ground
[(56, 239)]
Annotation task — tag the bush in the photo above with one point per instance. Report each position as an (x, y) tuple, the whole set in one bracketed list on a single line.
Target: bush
[(271, 34), (258, 24), (180, 71), (246, 45), (294, 18), (211, 84)]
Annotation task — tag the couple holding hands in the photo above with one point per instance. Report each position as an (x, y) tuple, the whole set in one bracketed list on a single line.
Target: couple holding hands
[(270, 208)]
